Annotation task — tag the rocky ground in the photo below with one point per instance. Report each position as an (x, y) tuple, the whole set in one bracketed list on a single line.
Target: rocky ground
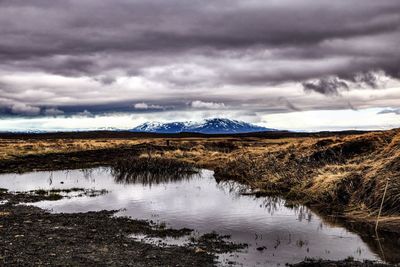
[(344, 263)]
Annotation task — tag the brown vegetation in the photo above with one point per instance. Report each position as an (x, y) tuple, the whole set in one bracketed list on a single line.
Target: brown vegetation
[(345, 172)]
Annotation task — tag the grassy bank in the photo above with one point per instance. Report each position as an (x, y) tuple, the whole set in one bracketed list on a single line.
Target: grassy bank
[(343, 174)]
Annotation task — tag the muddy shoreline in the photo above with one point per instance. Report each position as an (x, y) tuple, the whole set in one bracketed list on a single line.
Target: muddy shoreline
[(30, 236)]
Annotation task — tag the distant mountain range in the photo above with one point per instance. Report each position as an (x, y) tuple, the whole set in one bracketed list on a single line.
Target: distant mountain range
[(208, 126)]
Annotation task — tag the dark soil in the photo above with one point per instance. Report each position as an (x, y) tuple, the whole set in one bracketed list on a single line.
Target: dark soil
[(344, 263), (72, 160), (216, 243), (39, 195)]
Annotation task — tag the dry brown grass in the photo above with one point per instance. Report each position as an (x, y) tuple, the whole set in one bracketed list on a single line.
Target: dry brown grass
[(348, 172)]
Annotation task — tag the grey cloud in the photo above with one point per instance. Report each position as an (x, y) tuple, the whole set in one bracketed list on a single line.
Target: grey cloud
[(369, 79), (23, 109), (327, 86), (388, 111), (193, 49), (52, 112), (288, 104), (145, 106), (333, 85), (198, 104), (351, 106), (106, 80), (10, 106), (77, 28), (85, 113)]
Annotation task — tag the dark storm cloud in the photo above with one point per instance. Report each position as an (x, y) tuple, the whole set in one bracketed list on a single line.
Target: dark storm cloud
[(288, 104), (326, 86), (185, 45)]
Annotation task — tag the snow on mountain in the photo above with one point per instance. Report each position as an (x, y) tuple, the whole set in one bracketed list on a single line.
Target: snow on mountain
[(208, 126), (157, 127)]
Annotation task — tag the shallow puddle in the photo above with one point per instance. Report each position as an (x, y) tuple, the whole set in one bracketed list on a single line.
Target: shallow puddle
[(276, 234)]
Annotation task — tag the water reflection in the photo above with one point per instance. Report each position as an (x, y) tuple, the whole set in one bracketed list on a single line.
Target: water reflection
[(276, 233), (149, 171), (148, 178)]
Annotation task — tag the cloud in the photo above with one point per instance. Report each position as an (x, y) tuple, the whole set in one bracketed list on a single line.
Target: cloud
[(96, 45), (327, 86), (52, 112), (85, 113), (106, 80), (23, 109), (288, 104), (228, 53), (368, 78), (207, 105), (145, 106), (389, 110)]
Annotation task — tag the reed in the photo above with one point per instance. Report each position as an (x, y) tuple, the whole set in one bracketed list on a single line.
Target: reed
[(151, 170)]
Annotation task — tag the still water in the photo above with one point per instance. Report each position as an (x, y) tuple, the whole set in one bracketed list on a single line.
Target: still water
[(285, 234)]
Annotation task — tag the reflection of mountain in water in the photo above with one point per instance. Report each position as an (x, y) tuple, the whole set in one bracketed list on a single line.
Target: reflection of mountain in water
[(148, 171)]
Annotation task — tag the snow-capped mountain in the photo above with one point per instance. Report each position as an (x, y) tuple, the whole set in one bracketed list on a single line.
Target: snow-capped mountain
[(208, 126)]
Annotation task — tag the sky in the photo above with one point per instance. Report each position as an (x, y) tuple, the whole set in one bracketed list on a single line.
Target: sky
[(301, 65)]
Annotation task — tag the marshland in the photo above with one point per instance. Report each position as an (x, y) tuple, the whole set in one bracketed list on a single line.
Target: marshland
[(107, 198)]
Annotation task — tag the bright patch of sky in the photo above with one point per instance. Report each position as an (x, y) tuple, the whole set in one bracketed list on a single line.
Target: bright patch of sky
[(321, 120)]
